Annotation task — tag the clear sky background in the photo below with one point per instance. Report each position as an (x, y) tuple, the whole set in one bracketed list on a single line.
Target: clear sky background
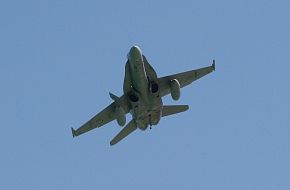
[(60, 58)]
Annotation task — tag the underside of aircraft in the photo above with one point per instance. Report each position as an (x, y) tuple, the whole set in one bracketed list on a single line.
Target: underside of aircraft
[(143, 91)]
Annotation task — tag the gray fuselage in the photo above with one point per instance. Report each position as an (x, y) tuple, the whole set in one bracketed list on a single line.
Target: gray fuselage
[(147, 109)]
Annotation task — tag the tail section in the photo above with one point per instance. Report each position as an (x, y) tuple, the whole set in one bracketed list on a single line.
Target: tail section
[(173, 109)]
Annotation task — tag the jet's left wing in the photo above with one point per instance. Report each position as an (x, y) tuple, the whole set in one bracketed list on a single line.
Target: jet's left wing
[(102, 118), (184, 78)]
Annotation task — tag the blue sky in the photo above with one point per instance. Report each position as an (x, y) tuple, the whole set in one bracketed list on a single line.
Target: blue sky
[(59, 60)]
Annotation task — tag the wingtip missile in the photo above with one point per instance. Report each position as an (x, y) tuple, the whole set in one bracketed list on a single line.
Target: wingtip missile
[(213, 64), (73, 132)]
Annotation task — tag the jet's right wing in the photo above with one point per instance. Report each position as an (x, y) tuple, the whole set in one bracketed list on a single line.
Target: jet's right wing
[(102, 118), (184, 78)]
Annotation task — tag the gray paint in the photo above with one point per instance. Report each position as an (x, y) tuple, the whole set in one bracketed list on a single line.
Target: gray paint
[(143, 92)]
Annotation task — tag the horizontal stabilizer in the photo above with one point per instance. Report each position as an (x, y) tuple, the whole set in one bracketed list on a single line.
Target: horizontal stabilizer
[(173, 109), (129, 128)]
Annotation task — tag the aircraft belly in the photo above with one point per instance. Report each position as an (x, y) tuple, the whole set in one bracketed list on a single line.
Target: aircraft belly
[(140, 115), (142, 123), (139, 81), (147, 114), (154, 117)]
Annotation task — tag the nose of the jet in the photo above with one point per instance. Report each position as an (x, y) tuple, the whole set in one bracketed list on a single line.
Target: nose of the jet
[(135, 50)]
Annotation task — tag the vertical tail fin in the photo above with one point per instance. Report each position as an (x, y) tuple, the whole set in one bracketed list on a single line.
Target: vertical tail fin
[(113, 96)]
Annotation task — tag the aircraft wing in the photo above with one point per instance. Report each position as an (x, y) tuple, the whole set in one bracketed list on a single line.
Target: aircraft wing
[(102, 118), (184, 78)]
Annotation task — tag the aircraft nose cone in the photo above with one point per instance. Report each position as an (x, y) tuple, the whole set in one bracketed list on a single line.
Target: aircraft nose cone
[(135, 49)]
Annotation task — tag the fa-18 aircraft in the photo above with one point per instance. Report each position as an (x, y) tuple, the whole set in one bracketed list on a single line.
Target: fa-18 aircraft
[(143, 92)]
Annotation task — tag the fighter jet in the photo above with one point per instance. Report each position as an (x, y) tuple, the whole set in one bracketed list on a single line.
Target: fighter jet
[(143, 92)]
